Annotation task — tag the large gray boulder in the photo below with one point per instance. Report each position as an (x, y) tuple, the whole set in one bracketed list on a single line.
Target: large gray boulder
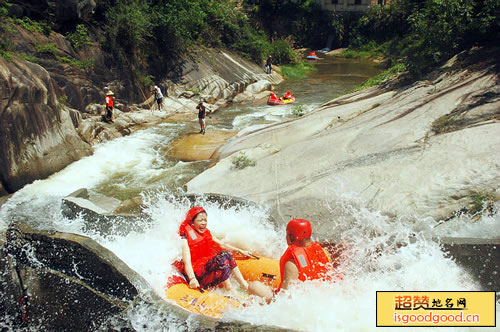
[(58, 281), (221, 75), (37, 134), (67, 281)]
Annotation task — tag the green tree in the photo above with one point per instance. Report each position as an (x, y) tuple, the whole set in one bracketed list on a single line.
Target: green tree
[(79, 38), (130, 25), (442, 28), (4, 45)]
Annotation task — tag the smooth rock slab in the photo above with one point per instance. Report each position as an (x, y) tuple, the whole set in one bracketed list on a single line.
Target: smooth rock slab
[(197, 147)]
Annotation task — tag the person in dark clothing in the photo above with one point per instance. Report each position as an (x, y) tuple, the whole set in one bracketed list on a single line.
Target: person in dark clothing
[(269, 64), (201, 117)]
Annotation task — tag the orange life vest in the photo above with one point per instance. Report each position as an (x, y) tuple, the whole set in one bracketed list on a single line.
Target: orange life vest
[(201, 246), (312, 262), (109, 101)]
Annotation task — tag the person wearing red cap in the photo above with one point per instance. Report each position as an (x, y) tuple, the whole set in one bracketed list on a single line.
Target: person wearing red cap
[(205, 263), (303, 260)]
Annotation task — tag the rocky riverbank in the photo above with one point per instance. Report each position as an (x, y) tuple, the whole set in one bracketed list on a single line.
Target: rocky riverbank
[(51, 108), (421, 150)]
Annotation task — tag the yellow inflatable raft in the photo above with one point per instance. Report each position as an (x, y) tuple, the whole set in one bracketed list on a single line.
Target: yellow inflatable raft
[(212, 303)]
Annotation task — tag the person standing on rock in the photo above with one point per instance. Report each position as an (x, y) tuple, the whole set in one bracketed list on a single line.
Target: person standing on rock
[(108, 116), (303, 260), (201, 117), (158, 97), (269, 64)]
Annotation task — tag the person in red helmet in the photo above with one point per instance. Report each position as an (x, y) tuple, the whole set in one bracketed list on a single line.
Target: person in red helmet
[(303, 260), (205, 263)]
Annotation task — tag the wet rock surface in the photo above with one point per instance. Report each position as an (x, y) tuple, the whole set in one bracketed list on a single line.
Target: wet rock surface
[(196, 147)]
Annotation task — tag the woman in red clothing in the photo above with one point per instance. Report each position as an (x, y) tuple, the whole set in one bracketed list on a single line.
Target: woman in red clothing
[(205, 262)]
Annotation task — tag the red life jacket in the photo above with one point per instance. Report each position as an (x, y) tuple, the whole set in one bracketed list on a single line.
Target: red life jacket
[(312, 262), (201, 246), (109, 101)]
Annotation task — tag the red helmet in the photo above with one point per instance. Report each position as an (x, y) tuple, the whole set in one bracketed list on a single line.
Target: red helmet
[(191, 214), (300, 229)]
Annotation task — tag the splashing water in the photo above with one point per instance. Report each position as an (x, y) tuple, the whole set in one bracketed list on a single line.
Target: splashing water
[(382, 253)]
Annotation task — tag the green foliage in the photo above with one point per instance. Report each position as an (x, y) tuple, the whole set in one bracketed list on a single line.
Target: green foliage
[(61, 102), (195, 90), (4, 7), (299, 70), (253, 45), (424, 34), (26, 57), (241, 161), (298, 111), (81, 64), (157, 31), (6, 55), (283, 53), (305, 21), (380, 24), (355, 54), (389, 74), (33, 26), (441, 125), (130, 24), (4, 43), (481, 201), (145, 81), (42, 49), (79, 38)]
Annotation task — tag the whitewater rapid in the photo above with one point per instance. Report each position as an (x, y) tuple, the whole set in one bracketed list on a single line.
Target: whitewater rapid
[(384, 254)]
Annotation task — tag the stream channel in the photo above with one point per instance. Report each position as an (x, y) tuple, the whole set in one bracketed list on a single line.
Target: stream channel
[(139, 164)]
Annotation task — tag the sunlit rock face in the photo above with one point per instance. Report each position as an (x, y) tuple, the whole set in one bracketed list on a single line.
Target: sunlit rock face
[(418, 150), (199, 147), (53, 109), (38, 137)]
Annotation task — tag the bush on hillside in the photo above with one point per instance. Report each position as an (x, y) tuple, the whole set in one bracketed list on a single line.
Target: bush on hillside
[(79, 38), (305, 21), (129, 26), (423, 34), (4, 45), (443, 28), (283, 53)]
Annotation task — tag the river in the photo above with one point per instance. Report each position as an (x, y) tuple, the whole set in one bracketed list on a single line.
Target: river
[(139, 164)]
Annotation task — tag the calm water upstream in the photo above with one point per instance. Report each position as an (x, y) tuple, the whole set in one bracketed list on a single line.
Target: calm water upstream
[(140, 165)]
